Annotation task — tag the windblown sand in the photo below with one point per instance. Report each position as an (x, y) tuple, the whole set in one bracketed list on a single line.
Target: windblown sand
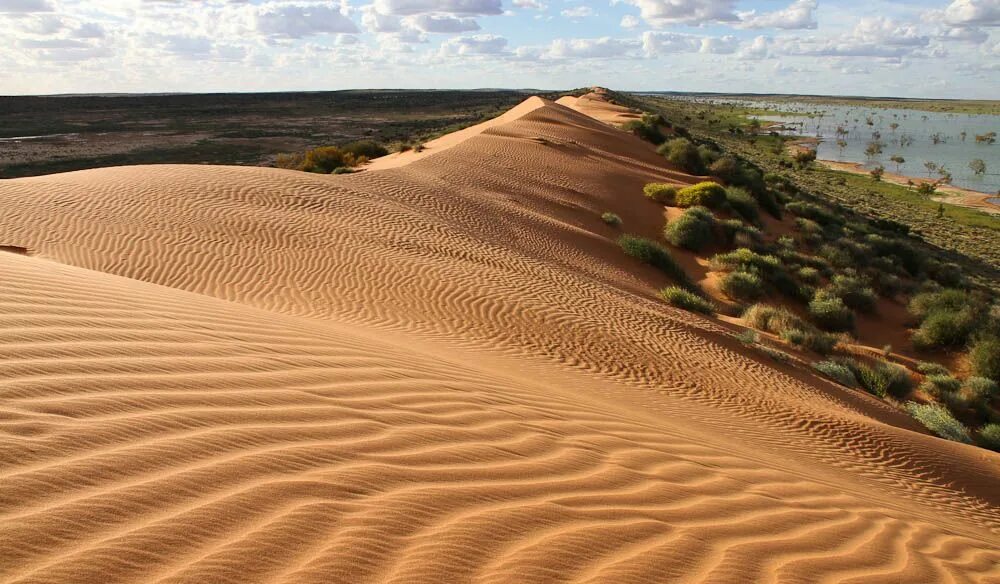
[(441, 371)]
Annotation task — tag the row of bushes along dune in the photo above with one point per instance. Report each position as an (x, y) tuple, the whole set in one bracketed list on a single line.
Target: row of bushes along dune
[(835, 266)]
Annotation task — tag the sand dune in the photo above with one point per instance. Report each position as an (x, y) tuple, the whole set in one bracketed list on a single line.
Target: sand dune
[(440, 371)]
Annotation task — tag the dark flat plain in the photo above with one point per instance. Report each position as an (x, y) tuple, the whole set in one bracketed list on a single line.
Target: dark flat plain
[(47, 134)]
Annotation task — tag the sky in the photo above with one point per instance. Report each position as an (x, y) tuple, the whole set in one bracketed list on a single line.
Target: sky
[(922, 48)]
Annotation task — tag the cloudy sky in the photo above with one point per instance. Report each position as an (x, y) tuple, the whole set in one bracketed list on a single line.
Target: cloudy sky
[(920, 48)]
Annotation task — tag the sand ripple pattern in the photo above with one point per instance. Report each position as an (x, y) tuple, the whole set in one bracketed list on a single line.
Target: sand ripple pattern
[(442, 372)]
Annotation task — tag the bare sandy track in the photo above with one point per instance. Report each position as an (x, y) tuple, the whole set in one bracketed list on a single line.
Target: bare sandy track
[(439, 372)]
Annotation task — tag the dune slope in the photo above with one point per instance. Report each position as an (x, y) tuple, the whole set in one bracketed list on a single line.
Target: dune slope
[(443, 371)]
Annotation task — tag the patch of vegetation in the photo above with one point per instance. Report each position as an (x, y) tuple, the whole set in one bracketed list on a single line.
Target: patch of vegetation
[(791, 328), (332, 159), (742, 202), (838, 372), (742, 286), (881, 378), (704, 194), (989, 437), (611, 219), (939, 420), (654, 254), (647, 128), (682, 298), (985, 358), (693, 230), (831, 314), (660, 192), (685, 154)]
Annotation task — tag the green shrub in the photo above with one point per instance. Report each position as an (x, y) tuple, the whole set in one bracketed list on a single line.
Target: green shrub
[(746, 260), (989, 437), (886, 284), (883, 378), (365, 148), (949, 299), (693, 230), (611, 219), (773, 319), (809, 275), (852, 291), (654, 254), (747, 337), (662, 193), (831, 314), (684, 154), (944, 329), (742, 286), (939, 420), (704, 194), (837, 372), (739, 234), (647, 128), (808, 226), (939, 385), (775, 354), (814, 212), (945, 274), (322, 160), (985, 358), (928, 368), (981, 388), (682, 298), (812, 339), (769, 202), (743, 204)]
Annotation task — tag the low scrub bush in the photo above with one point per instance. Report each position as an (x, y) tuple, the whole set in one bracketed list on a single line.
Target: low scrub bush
[(773, 319), (989, 437), (928, 368), (852, 291), (981, 388), (693, 230), (742, 286), (683, 153), (944, 328), (739, 234), (985, 358), (365, 148), (809, 275), (611, 219), (882, 378), (814, 212), (831, 314), (327, 159), (939, 385), (812, 339), (662, 193), (743, 204), (704, 194), (949, 299), (746, 260), (681, 298), (646, 128), (838, 372), (939, 420), (654, 254)]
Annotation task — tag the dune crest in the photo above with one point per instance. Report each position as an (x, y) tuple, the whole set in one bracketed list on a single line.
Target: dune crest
[(442, 370)]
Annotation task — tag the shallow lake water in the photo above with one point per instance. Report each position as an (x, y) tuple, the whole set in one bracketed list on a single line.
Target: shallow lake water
[(945, 140)]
